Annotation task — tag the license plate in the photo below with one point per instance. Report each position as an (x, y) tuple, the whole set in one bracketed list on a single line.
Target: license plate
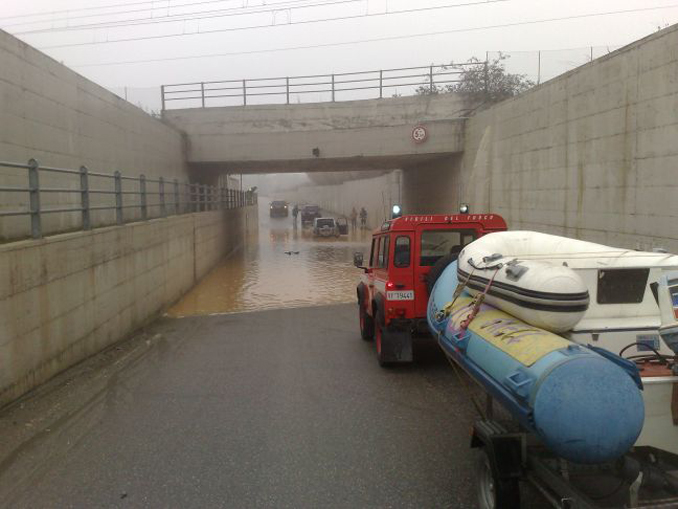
[(403, 295)]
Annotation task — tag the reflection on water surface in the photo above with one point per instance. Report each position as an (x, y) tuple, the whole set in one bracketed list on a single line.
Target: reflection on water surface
[(281, 266)]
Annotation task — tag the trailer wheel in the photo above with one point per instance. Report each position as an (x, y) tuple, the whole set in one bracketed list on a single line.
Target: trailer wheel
[(495, 493)]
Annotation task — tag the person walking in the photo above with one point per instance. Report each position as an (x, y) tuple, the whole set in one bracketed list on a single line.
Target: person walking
[(354, 219), (363, 218)]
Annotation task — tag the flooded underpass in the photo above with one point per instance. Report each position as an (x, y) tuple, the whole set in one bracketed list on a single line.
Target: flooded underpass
[(256, 390), (285, 265)]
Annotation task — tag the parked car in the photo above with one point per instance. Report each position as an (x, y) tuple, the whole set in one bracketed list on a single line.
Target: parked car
[(279, 208), (309, 213), (325, 227), (342, 224)]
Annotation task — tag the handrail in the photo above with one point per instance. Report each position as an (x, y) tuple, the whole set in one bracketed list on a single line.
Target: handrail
[(205, 91), (173, 197)]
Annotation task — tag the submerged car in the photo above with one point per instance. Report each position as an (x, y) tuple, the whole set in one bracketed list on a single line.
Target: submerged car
[(309, 213), (279, 208), (342, 224), (325, 227)]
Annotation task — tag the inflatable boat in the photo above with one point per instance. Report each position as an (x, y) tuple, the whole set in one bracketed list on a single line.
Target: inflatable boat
[(632, 295), (584, 404)]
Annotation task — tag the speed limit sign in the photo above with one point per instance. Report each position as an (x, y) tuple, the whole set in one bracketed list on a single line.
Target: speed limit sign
[(419, 134)]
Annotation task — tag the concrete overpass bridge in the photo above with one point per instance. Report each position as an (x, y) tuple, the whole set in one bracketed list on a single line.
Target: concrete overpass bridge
[(418, 134)]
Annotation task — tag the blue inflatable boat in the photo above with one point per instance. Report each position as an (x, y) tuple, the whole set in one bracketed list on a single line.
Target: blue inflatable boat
[(584, 403)]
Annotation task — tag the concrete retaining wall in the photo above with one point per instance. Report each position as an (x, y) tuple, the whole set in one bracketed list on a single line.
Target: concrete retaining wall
[(69, 296), (50, 113), (592, 154)]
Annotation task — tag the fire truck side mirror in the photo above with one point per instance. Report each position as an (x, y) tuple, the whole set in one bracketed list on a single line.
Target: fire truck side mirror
[(358, 260)]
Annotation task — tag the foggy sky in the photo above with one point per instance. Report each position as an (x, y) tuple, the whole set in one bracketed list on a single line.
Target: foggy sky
[(613, 31)]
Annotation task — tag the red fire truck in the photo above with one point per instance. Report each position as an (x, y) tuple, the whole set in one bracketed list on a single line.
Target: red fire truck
[(406, 258)]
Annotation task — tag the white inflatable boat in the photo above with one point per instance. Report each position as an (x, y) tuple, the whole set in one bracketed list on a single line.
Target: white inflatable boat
[(545, 294), (625, 289)]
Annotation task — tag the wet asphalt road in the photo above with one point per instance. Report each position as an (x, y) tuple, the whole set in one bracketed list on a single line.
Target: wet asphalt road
[(283, 408)]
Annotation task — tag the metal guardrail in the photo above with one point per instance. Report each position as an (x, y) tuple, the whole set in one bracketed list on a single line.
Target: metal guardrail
[(426, 77), (173, 197)]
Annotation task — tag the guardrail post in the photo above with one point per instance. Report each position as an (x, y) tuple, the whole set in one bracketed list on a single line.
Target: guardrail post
[(34, 193), (161, 192), (162, 96), (118, 196), (142, 197), (381, 84), (84, 198), (430, 77), (202, 93), (287, 89), (244, 92), (333, 88), (176, 197)]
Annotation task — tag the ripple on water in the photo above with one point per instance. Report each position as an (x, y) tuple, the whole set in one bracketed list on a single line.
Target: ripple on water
[(267, 273)]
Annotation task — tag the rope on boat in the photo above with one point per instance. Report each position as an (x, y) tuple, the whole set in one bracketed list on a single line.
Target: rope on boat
[(447, 308), (477, 302)]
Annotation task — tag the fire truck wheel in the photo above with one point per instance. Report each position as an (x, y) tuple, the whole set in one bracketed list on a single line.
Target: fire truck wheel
[(366, 323), (437, 270), (380, 339)]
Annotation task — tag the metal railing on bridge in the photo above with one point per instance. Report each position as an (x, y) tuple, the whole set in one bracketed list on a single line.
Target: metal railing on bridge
[(325, 87), (127, 198)]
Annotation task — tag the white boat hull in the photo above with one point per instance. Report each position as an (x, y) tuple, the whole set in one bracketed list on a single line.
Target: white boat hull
[(659, 430)]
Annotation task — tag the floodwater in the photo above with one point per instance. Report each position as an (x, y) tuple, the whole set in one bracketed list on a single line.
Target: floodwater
[(279, 267)]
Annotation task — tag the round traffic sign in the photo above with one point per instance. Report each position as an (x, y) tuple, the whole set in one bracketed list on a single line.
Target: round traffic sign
[(419, 134)]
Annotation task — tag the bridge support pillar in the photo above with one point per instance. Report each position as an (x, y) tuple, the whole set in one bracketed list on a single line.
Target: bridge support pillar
[(432, 187)]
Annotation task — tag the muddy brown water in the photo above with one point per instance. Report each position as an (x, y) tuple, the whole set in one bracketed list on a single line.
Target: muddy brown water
[(278, 267)]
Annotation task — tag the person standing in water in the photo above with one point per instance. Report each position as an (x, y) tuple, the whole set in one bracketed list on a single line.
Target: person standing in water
[(295, 213), (354, 219), (363, 218)]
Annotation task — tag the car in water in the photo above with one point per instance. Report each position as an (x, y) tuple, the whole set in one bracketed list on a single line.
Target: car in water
[(325, 227), (279, 208), (407, 256), (342, 224), (309, 213)]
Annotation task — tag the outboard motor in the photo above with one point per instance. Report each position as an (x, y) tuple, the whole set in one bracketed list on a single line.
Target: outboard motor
[(668, 306)]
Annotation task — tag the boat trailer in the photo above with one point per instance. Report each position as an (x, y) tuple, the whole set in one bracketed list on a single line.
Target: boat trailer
[(644, 478)]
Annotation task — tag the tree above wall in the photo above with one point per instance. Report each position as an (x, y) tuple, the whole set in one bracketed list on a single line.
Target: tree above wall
[(482, 82)]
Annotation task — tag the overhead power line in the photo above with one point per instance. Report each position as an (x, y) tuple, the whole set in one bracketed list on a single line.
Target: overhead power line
[(268, 25), (384, 39), (154, 4), (171, 18)]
